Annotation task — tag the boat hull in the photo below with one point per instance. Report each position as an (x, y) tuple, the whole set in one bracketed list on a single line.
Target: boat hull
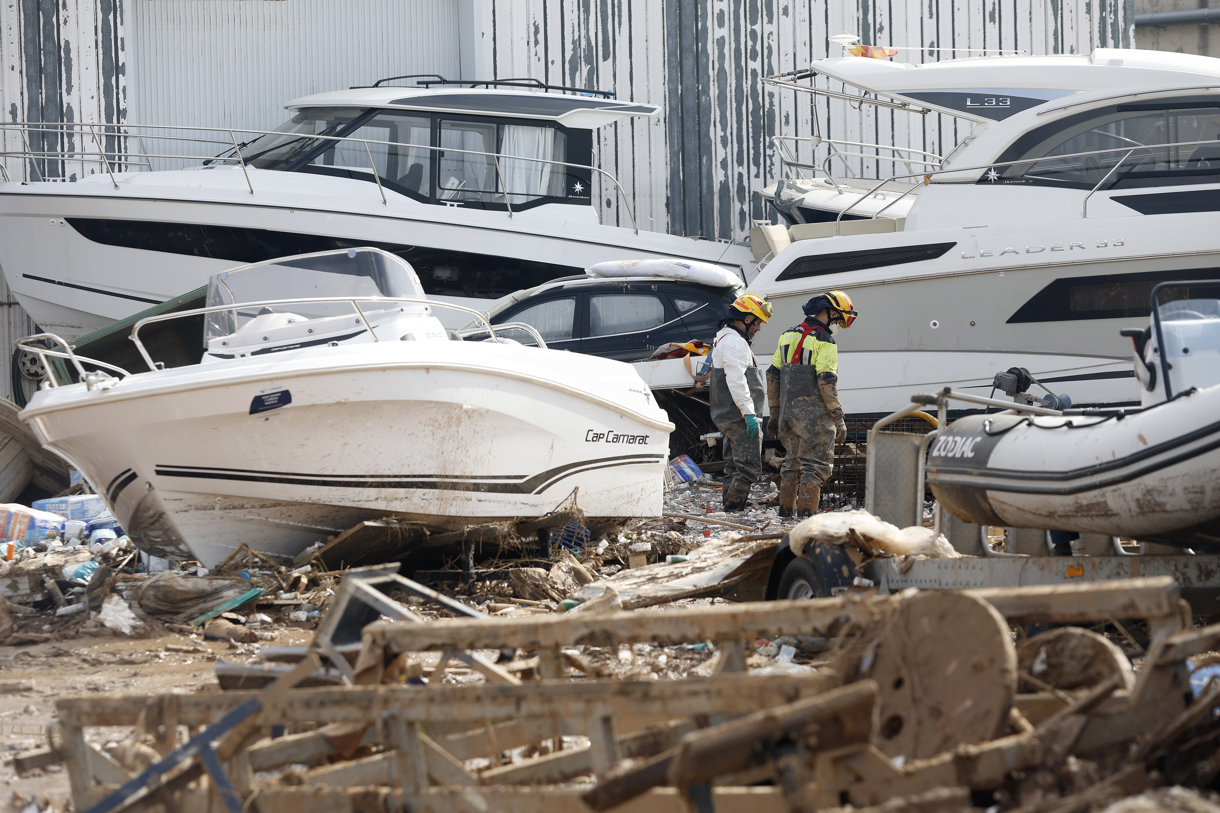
[(207, 222), (196, 465), (1148, 475)]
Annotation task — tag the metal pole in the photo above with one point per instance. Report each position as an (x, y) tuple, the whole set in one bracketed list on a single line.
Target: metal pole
[(376, 176), (29, 151), (1085, 213), (101, 150), (496, 160), (242, 161)]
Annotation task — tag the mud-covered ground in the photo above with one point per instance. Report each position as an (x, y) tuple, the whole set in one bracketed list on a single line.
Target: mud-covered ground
[(83, 658)]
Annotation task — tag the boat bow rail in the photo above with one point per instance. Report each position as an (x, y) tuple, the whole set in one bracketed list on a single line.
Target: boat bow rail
[(119, 158), (37, 345), (94, 380)]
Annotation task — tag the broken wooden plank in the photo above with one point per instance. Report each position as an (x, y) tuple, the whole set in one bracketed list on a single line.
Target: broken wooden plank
[(469, 800), (1153, 597), (1136, 598), (479, 704), (842, 717), (696, 624), (562, 765)]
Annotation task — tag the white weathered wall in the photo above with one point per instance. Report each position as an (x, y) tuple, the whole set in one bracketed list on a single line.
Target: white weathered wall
[(60, 62), (699, 170), (234, 63)]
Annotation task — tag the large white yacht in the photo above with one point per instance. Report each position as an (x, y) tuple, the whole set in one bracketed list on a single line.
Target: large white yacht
[(485, 188), (1082, 183)]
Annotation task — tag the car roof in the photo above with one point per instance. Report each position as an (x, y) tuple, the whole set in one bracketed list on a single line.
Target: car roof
[(582, 281)]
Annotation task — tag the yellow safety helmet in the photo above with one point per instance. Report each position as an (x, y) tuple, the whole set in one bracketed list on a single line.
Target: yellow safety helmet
[(842, 303), (755, 304), (835, 301)]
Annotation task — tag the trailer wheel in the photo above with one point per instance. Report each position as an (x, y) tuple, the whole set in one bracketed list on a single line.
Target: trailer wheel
[(801, 580)]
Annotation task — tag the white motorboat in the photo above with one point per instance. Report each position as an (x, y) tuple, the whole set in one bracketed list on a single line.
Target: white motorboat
[(349, 402), (485, 188), (1081, 183), (1152, 473)]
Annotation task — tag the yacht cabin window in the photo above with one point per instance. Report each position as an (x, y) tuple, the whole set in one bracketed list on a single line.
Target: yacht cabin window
[(1132, 144), (448, 161)]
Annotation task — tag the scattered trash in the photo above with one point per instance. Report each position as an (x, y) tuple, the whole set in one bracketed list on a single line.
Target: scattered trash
[(870, 534), (684, 470), (117, 615), (573, 536), (218, 629)]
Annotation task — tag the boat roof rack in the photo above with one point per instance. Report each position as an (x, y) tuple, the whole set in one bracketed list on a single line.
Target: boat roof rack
[(429, 79)]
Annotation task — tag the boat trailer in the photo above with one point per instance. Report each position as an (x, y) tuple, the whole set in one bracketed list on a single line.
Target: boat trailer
[(895, 492)]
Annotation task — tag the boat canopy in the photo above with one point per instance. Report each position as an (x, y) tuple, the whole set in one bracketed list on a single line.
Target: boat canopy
[(361, 274)]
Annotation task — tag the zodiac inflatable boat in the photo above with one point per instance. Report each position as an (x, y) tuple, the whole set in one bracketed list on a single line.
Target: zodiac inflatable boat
[(1149, 473)]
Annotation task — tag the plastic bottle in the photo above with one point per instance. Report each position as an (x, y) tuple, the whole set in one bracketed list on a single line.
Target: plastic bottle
[(98, 538)]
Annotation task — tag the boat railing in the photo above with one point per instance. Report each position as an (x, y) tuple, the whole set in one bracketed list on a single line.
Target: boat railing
[(926, 176), (113, 158), (786, 148), (100, 379), (37, 345), (355, 302)]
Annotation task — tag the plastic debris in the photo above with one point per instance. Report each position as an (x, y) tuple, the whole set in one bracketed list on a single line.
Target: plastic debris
[(117, 615)]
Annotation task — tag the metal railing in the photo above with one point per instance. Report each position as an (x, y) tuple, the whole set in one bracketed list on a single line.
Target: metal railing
[(784, 147), (927, 176), (123, 158), (92, 381)]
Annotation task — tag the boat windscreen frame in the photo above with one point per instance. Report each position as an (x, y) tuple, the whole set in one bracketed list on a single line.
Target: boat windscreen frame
[(1156, 321), (899, 102)]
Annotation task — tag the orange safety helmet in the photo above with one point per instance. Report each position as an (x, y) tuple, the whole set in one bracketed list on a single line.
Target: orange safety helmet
[(755, 304)]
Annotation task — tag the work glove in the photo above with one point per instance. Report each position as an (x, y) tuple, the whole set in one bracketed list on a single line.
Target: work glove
[(840, 426), (773, 426), (752, 426)]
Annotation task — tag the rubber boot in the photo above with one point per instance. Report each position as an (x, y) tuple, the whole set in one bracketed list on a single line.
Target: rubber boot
[(787, 493), (808, 496), (735, 496)]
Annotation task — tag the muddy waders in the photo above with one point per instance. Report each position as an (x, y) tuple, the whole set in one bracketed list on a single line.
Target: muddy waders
[(807, 428), (743, 454)]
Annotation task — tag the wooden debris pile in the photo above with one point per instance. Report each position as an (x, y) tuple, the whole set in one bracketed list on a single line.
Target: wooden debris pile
[(927, 705)]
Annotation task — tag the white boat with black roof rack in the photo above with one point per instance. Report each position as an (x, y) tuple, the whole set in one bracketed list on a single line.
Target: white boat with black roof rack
[(485, 187)]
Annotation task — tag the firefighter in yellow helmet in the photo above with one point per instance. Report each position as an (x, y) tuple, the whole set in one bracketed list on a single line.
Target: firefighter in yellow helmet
[(737, 396), (802, 385)]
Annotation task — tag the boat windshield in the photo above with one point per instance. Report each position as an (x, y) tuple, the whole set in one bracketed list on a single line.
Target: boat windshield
[(292, 139), (358, 273)]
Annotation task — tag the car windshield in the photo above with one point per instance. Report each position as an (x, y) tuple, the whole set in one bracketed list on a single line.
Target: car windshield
[(358, 273)]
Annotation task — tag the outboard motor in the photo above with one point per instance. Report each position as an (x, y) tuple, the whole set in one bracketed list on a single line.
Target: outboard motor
[(1016, 381)]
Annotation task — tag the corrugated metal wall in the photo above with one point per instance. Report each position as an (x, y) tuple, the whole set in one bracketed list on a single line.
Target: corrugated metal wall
[(699, 170), (234, 63), (60, 61)]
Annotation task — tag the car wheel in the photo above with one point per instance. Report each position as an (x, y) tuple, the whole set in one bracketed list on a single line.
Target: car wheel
[(801, 580)]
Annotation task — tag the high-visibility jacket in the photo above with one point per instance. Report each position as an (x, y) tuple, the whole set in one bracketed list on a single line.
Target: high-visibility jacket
[(809, 343)]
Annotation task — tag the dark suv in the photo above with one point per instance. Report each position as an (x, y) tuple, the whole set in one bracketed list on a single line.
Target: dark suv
[(622, 318)]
